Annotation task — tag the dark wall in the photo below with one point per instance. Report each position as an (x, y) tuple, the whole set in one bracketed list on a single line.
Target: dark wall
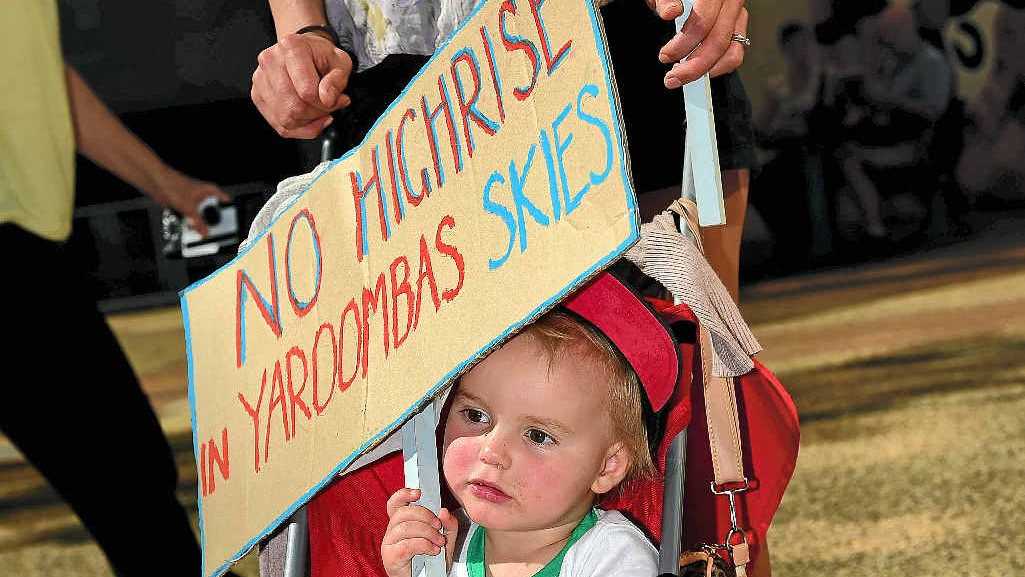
[(178, 74), (141, 55)]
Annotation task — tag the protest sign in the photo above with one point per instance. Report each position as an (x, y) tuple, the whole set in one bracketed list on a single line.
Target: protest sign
[(494, 184)]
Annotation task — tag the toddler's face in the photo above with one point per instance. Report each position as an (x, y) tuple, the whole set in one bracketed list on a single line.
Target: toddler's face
[(528, 443)]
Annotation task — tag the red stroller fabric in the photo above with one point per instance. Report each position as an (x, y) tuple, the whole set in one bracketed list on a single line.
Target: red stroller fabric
[(347, 520), (770, 433)]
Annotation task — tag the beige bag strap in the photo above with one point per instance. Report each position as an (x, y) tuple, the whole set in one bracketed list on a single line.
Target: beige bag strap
[(674, 258), (724, 441), (723, 422)]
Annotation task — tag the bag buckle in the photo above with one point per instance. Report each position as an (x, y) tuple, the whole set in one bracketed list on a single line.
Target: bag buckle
[(736, 539)]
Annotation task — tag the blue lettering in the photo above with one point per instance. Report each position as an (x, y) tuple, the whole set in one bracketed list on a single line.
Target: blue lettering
[(502, 213)]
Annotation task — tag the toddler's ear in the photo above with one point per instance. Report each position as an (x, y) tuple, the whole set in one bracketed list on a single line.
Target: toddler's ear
[(616, 466)]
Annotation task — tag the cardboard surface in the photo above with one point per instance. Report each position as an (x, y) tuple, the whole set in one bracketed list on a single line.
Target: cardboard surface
[(413, 255)]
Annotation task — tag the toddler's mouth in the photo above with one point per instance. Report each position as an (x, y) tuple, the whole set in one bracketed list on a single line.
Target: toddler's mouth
[(487, 491)]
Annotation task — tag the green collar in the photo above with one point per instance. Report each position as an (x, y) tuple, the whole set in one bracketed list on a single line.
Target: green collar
[(475, 550)]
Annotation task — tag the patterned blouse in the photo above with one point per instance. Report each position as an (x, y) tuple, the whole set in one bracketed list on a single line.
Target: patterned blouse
[(373, 29)]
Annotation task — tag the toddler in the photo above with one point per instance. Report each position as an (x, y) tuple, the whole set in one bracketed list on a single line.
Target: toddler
[(535, 432)]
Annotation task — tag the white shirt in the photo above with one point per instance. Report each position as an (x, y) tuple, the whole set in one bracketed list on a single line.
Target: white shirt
[(613, 547)]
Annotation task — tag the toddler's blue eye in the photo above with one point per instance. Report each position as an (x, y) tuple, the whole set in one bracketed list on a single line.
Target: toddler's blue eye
[(539, 437), (476, 416)]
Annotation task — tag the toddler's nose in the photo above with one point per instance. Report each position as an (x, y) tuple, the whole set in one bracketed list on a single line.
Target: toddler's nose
[(493, 452)]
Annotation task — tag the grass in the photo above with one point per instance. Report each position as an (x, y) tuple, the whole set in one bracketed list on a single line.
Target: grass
[(909, 465)]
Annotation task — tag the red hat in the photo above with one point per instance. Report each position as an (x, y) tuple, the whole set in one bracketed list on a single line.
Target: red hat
[(627, 321)]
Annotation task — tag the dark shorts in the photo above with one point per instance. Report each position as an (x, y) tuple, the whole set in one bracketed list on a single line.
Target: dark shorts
[(652, 115)]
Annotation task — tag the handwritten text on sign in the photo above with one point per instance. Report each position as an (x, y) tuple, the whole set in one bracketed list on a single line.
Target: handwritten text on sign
[(489, 189)]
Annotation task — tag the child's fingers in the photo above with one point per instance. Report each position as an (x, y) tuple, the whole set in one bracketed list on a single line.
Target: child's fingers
[(450, 524), (401, 498), (399, 554), (413, 530), (448, 520), (414, 513)]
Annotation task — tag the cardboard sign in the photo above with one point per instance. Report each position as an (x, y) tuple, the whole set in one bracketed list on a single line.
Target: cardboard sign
[(495, 184)]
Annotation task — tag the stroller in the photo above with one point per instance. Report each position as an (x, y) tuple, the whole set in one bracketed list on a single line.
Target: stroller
[(727, 448)]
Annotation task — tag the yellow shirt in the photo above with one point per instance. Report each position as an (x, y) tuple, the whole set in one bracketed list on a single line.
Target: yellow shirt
[(37, 141)]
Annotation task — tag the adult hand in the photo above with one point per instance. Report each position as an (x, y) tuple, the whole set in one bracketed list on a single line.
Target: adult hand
[(705, 43), (299, 82), (184, 194)]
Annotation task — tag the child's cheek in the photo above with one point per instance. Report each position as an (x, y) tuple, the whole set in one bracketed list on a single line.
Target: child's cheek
[(544, 480), (458, 458)]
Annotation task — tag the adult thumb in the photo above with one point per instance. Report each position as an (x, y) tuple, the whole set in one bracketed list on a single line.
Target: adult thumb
[(332, 89)]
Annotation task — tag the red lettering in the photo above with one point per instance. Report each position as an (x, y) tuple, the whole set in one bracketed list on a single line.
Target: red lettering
[(378, 299), (390, 148), (495, 82), (344, 383), (359, 198), (302, 308), (203, 483), (330, 330), (468, 106), (444, 107), (552, 62), (400, 289), (513, 43), (425, 183), (451, 252), (219, 458), (277, 397), (426, 273), (295, 397), (269, 311), (254, 414)]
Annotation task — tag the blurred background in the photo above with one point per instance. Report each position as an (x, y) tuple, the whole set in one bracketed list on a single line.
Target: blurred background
[(882, 265)]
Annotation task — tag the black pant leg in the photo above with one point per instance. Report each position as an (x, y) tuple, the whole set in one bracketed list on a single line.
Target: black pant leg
[(79, 415)]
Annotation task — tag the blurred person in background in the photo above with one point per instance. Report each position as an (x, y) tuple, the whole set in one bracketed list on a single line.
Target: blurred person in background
[(991, 164), (906, 88), (78, 413), (790, 188)]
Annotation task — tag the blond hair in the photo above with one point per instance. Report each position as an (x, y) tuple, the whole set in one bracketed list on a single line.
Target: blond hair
[(557, 333)]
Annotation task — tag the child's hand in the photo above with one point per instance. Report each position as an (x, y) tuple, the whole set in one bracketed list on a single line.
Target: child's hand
[(414, 530)]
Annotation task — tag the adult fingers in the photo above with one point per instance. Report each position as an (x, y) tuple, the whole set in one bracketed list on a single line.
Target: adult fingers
[(666, 9), (332, 89), (277, 111), (277, 100), (699, 24), (734, 55), (302, 69), (219, 193), (188, 206), (204, 190), (309, 130), (710, 50)]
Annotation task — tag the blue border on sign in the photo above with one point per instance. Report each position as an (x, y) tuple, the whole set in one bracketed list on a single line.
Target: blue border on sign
[(596, 268)]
